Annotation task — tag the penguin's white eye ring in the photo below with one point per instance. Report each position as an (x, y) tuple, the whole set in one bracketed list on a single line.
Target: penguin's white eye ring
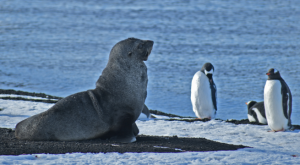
[(275, 70), (209, 72)]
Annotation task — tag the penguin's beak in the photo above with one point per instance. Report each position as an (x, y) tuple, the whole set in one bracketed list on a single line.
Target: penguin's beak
[(268, 74), (246, 103)]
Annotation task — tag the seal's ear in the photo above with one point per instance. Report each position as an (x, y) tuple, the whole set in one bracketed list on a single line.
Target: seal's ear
[(129, 54)]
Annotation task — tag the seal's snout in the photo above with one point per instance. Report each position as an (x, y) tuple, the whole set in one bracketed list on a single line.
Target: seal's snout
[(149, 42), (149, 46)]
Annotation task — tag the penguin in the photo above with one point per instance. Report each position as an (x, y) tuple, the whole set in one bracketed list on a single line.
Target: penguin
[(204, 93), (277, 101), (256, 112)]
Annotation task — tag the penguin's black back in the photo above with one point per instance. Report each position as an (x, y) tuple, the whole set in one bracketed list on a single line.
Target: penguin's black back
[(261, 108)]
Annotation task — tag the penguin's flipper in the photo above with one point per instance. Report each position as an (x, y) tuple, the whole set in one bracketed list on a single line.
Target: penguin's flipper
[(286, 100), (214, 95), (290, 108), (261, 107)]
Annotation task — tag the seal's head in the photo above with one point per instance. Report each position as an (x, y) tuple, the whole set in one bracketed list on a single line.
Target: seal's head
[(135, 49), (126, 68)]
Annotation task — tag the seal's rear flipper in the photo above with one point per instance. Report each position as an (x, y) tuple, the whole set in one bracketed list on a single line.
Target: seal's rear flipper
[(126, 132), (135, 129)]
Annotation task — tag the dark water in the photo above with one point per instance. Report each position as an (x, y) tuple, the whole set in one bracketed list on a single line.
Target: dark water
[(61, 47)]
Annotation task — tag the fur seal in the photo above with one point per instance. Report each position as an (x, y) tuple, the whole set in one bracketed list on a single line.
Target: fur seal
[(108, 111)]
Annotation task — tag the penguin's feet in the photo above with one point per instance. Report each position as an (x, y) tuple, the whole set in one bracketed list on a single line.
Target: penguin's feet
[(204, 118), (282, 130)]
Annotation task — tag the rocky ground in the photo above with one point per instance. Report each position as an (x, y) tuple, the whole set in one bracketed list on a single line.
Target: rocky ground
[(9, 145)]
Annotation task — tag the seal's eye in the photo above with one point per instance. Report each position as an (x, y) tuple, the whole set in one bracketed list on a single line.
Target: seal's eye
[(140, 46), (129, 53)]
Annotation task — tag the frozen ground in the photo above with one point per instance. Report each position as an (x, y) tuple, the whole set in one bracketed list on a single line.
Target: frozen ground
[(267, 147)]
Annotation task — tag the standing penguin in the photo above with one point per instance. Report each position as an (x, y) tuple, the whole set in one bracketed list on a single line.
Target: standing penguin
[(278, 102), (256, 112), (204, 92)]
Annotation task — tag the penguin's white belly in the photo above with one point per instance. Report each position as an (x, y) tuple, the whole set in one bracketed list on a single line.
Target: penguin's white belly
[(273, 106), (201, 96)]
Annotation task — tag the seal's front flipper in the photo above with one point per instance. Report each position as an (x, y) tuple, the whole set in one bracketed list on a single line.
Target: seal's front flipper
[(146, 111)]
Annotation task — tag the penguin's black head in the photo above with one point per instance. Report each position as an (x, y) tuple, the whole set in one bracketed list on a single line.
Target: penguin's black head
[(250, 104), (208, 69), (273, 74)]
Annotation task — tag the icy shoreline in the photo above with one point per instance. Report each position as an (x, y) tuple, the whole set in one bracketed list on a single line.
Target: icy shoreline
[(267, 147)]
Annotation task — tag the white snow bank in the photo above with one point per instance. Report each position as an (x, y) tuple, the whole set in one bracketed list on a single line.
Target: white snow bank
[(25, 96), (15, 111)]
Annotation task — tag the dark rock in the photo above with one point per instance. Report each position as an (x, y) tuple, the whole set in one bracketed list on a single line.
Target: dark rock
[(9, 145)]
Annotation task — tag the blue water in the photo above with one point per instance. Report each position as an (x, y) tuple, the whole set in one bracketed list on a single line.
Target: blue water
[(61, 47)]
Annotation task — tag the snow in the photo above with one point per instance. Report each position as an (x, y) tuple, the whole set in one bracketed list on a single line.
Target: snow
[(24, 96), (267, 147)]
